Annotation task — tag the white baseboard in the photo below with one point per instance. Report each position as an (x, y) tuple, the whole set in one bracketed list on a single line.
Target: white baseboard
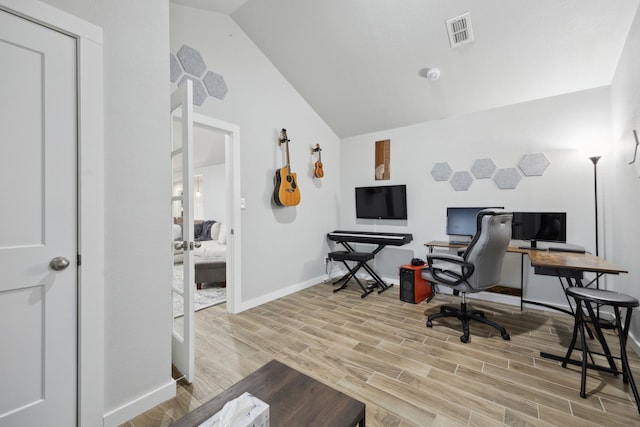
[(279, 293), (142, 404)]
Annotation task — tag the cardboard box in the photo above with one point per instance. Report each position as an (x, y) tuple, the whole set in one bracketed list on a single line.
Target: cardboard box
[(245, 410)]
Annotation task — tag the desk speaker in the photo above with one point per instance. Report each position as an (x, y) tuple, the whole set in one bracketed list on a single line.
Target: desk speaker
[(413, 288)]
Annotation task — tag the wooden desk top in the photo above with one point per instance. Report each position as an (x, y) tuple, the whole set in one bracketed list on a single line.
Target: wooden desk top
[(573, 261), (294, 399), (445, 244), (552, 259)]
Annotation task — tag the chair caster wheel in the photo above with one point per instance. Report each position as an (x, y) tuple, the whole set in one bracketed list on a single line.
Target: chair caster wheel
[(506, 336), (464, 339), (429, 323)]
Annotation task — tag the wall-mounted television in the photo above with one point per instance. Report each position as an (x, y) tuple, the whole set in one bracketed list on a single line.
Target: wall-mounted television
[(381, 202), (539, 227), (462, 221)]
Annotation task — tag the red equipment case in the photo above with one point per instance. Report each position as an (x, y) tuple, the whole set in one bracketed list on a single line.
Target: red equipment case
[(413, 288)]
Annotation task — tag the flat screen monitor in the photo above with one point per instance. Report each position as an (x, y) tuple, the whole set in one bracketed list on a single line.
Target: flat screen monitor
[(381, 202), (539, 227), (462, 221)]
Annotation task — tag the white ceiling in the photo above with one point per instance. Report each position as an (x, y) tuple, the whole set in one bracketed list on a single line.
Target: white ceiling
[(358, 62)]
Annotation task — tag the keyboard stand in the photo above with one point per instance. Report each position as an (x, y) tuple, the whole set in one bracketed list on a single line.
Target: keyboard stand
[(361, 259)]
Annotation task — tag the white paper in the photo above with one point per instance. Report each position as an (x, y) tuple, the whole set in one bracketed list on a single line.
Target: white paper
[(240, 412)]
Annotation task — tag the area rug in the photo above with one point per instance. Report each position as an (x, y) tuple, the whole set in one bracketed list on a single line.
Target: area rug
[(206, 297)]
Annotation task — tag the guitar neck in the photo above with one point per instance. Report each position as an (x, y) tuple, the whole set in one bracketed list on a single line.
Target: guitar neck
[(288, 165)]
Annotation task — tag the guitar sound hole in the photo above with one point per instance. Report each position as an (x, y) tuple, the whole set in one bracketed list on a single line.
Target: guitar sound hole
[(291, 181)]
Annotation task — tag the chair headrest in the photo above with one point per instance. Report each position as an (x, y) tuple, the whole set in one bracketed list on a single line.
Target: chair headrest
[(484, 213)]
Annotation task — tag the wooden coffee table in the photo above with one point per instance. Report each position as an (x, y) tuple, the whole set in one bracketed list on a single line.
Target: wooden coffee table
[(294, 399)]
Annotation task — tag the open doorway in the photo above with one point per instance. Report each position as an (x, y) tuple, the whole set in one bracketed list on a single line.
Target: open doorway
[(216, 205), (218, 248)]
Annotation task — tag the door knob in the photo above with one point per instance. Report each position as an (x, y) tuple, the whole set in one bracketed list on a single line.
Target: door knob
[(59, 263)]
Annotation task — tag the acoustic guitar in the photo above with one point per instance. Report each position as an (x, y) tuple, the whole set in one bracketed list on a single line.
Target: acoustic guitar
[(286, 192), (317, 167)]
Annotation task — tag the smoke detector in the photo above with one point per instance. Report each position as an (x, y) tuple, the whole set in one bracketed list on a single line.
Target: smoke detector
[(430, 73), (433, 73), (459, 29)]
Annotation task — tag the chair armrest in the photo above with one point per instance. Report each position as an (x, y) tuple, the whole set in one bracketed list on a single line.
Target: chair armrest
[(445, 275)]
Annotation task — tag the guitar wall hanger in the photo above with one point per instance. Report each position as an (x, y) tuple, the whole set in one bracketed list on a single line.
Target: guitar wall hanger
[(635, 152)]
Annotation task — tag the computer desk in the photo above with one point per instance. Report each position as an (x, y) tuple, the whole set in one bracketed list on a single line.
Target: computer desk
[(570, 266), (567, 266)]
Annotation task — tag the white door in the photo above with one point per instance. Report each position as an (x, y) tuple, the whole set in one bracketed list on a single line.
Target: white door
[(38, 242), (182, 337)]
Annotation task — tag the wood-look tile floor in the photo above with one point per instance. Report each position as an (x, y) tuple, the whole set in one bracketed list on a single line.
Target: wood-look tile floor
[(379, 351)]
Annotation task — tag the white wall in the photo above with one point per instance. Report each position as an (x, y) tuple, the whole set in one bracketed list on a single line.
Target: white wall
[(622, 194), (213, 192), (555, 126), (138, 259), (283, 248)]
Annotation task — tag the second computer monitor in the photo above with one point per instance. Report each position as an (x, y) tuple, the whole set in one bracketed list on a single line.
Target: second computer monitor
[(461, 222), (539, 227)]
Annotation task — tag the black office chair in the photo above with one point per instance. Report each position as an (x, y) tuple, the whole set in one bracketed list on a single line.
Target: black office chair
[(477, 269)]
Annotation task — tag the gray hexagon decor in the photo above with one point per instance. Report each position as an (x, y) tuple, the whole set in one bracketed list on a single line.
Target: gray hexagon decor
[(461, 181), (507, 178), (441, 171), (199, 94), (534, 164), (174, 68), (191, 61), (215, 84), (483, 168)]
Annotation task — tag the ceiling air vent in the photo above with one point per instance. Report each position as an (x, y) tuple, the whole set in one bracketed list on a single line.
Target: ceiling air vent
[(459, 29)]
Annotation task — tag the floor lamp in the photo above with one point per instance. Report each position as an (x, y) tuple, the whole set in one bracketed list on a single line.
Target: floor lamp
[(595, 159)]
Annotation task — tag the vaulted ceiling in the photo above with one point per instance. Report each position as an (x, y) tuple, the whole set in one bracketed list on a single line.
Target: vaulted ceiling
[(361, 63)]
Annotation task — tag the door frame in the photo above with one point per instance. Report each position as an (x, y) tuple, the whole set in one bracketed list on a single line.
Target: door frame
[(233, 204), (90, 194)]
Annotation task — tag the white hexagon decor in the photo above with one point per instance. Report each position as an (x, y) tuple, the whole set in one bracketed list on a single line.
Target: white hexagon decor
[(175, 70), (441, 171), (483, 168), (215, 84), (461, 181), (191, 61), (534, 164), (199, 93), (507, 178)]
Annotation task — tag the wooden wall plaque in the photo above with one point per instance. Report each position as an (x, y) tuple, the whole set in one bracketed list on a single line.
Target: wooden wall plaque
[(383, 159)]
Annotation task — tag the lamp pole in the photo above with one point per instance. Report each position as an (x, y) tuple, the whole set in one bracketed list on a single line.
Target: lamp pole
[(595, 159)]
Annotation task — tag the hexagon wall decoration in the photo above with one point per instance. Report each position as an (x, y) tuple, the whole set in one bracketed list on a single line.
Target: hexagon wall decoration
[(534, 164), (507, 178), (461, 181), (483, 168), (441, 171), (205, 82), (215, 84), (199, 93), (191, 61), (175, 70)]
